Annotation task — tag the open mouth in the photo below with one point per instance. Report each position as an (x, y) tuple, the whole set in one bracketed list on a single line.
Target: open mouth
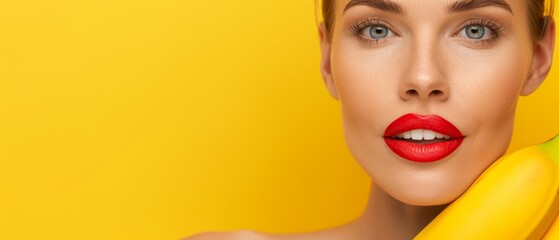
[(422, 138)]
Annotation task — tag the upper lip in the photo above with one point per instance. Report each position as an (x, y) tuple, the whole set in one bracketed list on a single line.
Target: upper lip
[(412, 121)]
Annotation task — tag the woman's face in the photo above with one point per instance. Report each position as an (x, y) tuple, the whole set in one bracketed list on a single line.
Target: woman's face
[(457, 66)]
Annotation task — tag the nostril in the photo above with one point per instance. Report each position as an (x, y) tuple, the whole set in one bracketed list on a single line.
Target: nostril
[(436, 92), (412, 92)]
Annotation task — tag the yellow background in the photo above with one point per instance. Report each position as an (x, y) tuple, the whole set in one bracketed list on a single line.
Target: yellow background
[(158, 119)]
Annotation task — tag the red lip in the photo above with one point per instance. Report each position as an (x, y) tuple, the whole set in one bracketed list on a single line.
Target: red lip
[(418, 152)]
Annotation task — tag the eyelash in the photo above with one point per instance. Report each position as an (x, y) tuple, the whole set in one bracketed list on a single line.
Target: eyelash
[(496, 29)]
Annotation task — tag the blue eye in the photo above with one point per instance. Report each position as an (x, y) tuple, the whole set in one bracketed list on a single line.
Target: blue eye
[(476, 31), (376, 32)]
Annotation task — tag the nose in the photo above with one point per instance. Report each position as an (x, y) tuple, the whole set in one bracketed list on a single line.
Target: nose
[(425, 79)]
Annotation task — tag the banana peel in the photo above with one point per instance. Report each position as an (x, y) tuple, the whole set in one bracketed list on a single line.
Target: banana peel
[(515, 198)]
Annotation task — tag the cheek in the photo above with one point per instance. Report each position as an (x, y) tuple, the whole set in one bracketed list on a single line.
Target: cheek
[(366, 83), (367, 88), (486, 87), (486, 90)]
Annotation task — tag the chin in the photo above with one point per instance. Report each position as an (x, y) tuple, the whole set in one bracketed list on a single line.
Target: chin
[(426, 200), (428, 194)]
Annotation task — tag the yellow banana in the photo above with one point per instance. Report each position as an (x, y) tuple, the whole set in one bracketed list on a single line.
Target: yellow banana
[(553, 230), (515, 198)]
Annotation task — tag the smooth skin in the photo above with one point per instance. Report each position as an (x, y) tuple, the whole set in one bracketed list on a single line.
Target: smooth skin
[(468, 66)]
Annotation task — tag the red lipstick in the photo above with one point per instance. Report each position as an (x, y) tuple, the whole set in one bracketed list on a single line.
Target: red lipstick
[(412, 137)]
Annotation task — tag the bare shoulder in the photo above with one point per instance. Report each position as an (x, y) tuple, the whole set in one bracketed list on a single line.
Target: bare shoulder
[(353, 230), (236, 235)]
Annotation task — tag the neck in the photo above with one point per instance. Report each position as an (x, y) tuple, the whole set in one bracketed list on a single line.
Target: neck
[(388, 218)]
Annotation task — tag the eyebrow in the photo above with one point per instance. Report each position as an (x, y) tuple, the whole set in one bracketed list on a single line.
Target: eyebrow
[(465, 5), (458, 6), (385, 5)]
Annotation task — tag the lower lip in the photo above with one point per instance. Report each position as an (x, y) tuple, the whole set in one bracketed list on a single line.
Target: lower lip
[(423, 152)]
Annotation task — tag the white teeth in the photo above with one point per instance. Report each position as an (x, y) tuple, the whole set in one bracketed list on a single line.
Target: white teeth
[(407, 135), (422, 134), (428, 135), (417, 134)]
